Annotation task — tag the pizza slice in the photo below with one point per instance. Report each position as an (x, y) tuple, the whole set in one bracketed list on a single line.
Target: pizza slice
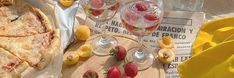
[(37, 50), (10, 65), (21, 19)]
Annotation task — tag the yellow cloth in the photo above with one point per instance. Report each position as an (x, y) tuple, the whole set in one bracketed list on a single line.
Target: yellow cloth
[(215, 62), (213, 52), (209, 36)]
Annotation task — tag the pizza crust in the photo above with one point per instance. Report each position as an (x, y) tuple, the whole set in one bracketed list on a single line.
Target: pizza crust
[(27, 34), (23, 19), (50, 52), (43, 18)]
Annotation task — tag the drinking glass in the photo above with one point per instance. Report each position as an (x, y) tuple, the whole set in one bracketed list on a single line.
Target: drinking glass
[(141, 18), (100, 11), (188, 5)]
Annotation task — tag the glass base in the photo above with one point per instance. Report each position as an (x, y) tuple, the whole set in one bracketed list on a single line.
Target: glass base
[(102, 45), (142, 57)]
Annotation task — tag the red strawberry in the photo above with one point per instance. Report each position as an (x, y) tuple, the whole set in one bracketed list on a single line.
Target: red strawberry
[(115, 7), (151, 17), (97, 3), (142, 6), (152, 28), (96, 12), (130, 69), (119, 52), (125, 76), (128, 26), (130, 16), (113, 72), (90, 74)]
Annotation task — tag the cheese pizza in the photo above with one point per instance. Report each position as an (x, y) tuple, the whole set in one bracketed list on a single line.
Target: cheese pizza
[(10, 65), (27, 38), (21, 19)]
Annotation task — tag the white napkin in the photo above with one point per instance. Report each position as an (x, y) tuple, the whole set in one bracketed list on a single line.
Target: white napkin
[(66, 20)]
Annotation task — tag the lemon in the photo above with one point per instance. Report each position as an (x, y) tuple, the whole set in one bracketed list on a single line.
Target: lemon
[(66, 3), (85, 50), (82, 32), (70, 58)]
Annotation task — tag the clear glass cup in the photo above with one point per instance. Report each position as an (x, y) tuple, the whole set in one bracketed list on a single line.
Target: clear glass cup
[(141, 18), (187, 5), (101, 11)]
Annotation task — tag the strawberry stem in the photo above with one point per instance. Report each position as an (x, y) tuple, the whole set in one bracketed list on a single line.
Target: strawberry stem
[(112, 52)]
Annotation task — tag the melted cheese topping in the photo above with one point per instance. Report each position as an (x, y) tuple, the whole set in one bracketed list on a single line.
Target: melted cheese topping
[(8, 62), (19, 21), (30, 49)]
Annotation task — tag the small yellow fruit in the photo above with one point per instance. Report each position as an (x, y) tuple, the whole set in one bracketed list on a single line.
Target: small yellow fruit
[(166, 56), (166, 42), (85, 50), (82, 32), (66, 3), (70, 58)]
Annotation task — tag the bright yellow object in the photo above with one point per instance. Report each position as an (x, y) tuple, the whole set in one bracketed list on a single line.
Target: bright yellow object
[(166, 56), (66, 3), (222, 33), (82, 32), (70, 58), (215, 62), (220, 27), (213, 51), (166, 42), (85, 50)]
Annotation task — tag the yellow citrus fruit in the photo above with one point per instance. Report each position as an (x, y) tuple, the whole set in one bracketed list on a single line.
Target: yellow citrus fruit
[(82, 32), (66, 3), (85, 50), (70, 58)]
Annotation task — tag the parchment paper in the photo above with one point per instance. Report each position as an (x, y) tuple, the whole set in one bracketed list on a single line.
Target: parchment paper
[(62, 18)]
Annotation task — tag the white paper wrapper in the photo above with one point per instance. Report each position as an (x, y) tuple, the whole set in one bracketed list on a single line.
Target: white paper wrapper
[(64, 20)]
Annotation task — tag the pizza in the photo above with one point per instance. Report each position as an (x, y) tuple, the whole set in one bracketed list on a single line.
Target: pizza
[(21, 19), (35, 49), (27, 38), (10, 65)]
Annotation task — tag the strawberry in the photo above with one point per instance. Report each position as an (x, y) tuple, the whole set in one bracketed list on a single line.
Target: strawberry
[(128, 26), (151, 17), (142, 6), (125, 76), (96, 12), (131, 69), (113, 72), (90, 74), (152, 28), (119, 52), (130, 16), (97, 3)]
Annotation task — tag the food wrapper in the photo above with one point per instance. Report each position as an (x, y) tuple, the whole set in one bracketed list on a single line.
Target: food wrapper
[(62, 18)]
